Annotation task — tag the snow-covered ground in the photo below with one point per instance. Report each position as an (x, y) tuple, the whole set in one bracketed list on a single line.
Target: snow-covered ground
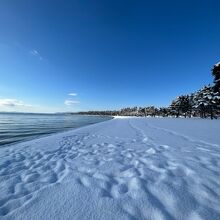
[(125, 168)]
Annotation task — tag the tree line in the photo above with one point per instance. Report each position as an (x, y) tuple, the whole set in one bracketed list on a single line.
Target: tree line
[(202, 103)]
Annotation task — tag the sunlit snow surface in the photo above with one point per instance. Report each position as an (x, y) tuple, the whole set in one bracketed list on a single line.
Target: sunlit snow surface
[(125, 168)]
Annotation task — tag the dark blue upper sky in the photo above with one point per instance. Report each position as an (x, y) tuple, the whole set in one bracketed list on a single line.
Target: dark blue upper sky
[(111, 53)]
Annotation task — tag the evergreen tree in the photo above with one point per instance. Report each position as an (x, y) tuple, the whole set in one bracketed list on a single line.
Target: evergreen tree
[(181, 105), (175, 106), (216, 87), (205, 101), (216, 74)]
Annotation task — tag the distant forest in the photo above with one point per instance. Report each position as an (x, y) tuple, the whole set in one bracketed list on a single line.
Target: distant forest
[(203, 103)]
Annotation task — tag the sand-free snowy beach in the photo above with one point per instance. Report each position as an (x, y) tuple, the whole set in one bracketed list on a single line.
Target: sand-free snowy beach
[(124, 168)]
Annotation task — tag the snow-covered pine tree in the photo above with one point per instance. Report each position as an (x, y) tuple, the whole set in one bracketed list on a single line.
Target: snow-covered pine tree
[(181, 106), (191, 104), (216, 74), (216, 87), (175, 107), (205, 101)]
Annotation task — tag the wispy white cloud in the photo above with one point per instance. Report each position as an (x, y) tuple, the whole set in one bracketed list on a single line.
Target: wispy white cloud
[(73, 94), (13, 103), (36, 54), (70, 102)]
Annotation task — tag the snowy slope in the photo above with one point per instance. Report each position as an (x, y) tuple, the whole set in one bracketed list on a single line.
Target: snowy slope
[(125, 168)]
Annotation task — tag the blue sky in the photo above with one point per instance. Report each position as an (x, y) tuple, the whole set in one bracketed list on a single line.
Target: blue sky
[(109, 53)]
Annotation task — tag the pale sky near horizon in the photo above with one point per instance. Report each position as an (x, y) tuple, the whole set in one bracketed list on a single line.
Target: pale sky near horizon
[(58, 56)]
